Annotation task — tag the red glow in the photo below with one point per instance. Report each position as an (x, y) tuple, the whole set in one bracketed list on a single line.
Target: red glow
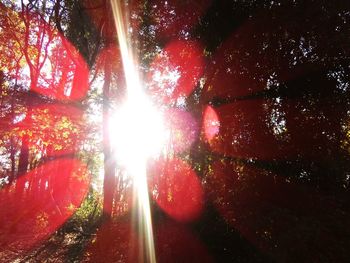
[(53, 130), (176, 243), (244, 194), (314, 129), (47, 63), (176, 70), (170, 184), (248, 197), (64, 75), (100, 16), (249, 129), (244, 131), (211, 123), (110, 57), (109, 65), (173, 18), (114, 242), (183, 129), (100, 13), (240, 67), (40, 201)]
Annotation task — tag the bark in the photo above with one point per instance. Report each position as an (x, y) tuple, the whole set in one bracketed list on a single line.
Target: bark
[(109, 163), (24, 155), (22, 164)]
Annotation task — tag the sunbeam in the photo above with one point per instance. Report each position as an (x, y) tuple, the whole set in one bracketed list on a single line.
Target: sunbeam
[(138, 128)]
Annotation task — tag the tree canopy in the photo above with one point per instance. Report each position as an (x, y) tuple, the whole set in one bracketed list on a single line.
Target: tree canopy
[(254, 102)]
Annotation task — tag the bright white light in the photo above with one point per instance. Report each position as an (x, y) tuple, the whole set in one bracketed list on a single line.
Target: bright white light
[(137, 132)]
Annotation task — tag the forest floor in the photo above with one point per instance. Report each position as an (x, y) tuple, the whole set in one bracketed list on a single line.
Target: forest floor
[(93, 242), (63, 246)]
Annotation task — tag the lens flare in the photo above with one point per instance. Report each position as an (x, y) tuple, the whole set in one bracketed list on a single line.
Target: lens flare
[(137, 131), (138, 128)]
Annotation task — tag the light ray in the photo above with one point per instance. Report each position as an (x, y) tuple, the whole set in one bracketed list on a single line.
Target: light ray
[(138, 168)]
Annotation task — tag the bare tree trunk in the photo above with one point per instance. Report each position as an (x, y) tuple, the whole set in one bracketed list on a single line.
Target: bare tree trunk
[(12, 144), (13, 159), (109, 163), (22, 164), (24, 155)]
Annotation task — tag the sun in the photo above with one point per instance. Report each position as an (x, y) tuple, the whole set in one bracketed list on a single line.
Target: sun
[(137, 132)]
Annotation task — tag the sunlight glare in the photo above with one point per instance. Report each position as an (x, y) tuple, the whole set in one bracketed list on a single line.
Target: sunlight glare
[(137, 132)]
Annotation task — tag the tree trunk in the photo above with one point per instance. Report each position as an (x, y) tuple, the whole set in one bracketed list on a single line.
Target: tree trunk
[(24, 155), (109, 163), (22, 164)]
